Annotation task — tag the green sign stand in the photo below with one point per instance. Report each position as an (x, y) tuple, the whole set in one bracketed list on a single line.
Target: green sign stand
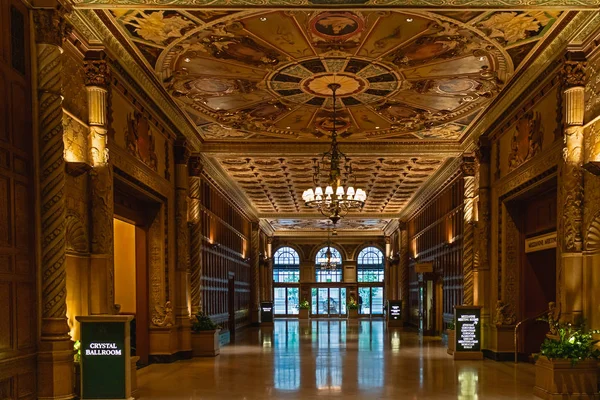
[(467, 333), (105, 357), (266, 313)]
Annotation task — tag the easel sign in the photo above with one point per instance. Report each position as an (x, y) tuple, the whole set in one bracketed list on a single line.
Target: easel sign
[(467, 321)]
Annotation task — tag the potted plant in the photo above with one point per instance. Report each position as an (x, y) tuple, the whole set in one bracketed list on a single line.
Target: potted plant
[(205, 337), (304, 306), (352, 307), (567, 365), (451, 338)]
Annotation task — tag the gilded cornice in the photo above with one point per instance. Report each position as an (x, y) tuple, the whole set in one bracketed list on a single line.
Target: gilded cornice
[(433, 4), (431, 187), (266, 227), (213, 172), (582, 21), (351, 148), (392, 227), (153, 88)]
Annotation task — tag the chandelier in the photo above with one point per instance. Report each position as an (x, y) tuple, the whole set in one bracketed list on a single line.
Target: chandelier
[(334, 193), (328, 262)]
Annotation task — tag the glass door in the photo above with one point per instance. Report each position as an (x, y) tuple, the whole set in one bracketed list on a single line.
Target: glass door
[(328, 302), (285, 300), (370, 300)]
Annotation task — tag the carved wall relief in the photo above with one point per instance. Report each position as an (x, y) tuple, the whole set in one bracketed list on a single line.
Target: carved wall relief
[(155, 266), (511, 264), (527, 140), (140, 140)]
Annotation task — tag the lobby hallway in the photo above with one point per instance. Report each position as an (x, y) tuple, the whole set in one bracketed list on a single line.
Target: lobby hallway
[(335, 358)]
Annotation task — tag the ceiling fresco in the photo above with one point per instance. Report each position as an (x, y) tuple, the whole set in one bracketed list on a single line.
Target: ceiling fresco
[(275, 184), (248, 75), (358, 224)]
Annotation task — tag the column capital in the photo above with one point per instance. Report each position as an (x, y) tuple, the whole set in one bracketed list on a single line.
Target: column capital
[(484, 150), (195, 166), (182, 151), (402, 225), (50, 25), (573, 70), (468, 165), (96, 73)]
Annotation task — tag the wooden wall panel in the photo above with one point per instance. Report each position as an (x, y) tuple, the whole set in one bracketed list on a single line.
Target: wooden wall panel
[(225, 249), (435, 235), (18, 300)]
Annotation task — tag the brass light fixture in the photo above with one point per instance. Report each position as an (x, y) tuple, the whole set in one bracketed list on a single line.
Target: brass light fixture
[(328, 262), (338, 195)]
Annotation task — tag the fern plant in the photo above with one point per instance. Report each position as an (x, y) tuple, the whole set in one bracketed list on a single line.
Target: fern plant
[(572, 343), (352, 304), (304, 305), (203, 323)]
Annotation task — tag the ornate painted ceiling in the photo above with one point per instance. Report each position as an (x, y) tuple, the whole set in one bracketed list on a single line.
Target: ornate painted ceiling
[(253, 82), (358, 224), (262, 76)]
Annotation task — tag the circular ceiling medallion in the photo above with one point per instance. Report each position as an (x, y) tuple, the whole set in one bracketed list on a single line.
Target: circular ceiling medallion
[(336, 25), (306, 82), (319, 85)]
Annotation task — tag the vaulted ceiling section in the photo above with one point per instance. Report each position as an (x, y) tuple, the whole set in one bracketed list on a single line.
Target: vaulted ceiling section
[(255, 81)]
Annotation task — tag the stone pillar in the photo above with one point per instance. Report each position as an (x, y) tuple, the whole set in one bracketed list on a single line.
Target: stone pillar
[(390, 278), (481, 270), (570, 271), (55, 355), (182, 245), (254, 273), (97, 82), (269, 269), (195, 234), (403, 268), (468, 171)]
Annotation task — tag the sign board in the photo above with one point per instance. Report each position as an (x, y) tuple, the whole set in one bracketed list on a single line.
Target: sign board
[(394, 313), (542, 242), (266, 312), (423, 268), (105, 357), (468, 328)]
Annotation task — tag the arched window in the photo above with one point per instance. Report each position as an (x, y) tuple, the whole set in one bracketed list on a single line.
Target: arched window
[(286, 265), (324, 274), (369, 265)]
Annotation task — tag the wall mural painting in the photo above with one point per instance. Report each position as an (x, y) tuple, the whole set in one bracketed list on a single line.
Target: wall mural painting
[(358, 224), (418, 75), (140, 140)]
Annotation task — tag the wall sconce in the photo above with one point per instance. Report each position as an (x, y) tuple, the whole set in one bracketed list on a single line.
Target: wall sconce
[(215, 245), (447, 245), (592, 167), (247, 259)]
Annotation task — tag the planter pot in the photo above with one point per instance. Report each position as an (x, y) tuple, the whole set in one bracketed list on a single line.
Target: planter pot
[(352, 313), (303, 313), (206, 343), (558, 379), (451, 341)]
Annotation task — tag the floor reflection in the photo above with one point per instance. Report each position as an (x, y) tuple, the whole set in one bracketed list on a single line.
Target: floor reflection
[(335, 357)]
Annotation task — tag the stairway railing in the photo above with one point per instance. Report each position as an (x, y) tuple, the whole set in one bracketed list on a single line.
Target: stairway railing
[(516, 334)]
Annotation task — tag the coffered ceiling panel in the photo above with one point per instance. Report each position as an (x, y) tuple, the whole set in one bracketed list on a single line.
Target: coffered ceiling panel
[(276, 184), (357, 224), (263, 75)]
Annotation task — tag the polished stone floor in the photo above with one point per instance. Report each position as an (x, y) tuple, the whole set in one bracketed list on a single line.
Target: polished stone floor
[(334, 358)]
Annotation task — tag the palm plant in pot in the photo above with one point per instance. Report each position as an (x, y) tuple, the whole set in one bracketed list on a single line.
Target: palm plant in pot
[(205, 337), (567, 365), (303, 308), (352, 307)]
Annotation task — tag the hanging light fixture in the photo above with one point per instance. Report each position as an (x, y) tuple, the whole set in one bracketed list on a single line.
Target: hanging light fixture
[(334, 194), (329, 262)]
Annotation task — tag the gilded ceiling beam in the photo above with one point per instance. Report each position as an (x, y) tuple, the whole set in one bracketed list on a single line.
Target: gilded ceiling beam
[(356, 4)]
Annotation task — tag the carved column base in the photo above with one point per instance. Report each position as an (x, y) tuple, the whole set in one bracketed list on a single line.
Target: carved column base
[(572, 287), (184, 333), (55, 361), (100, 267), (501, 346), (164, 343)]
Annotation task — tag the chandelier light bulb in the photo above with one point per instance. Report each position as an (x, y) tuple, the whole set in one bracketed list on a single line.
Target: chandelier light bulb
[(328, 191), (339, 191), (319, 191)]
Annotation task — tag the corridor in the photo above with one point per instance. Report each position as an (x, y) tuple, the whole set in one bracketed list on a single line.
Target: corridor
[(335, 358)]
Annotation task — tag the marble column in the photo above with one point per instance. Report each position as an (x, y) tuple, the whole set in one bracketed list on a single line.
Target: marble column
[(403, 268), (467, 168), (254, 273), (481, 266), (195, 234), (55, 350), (97, 83), (269, 269), (570, 270), (182, 246)]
